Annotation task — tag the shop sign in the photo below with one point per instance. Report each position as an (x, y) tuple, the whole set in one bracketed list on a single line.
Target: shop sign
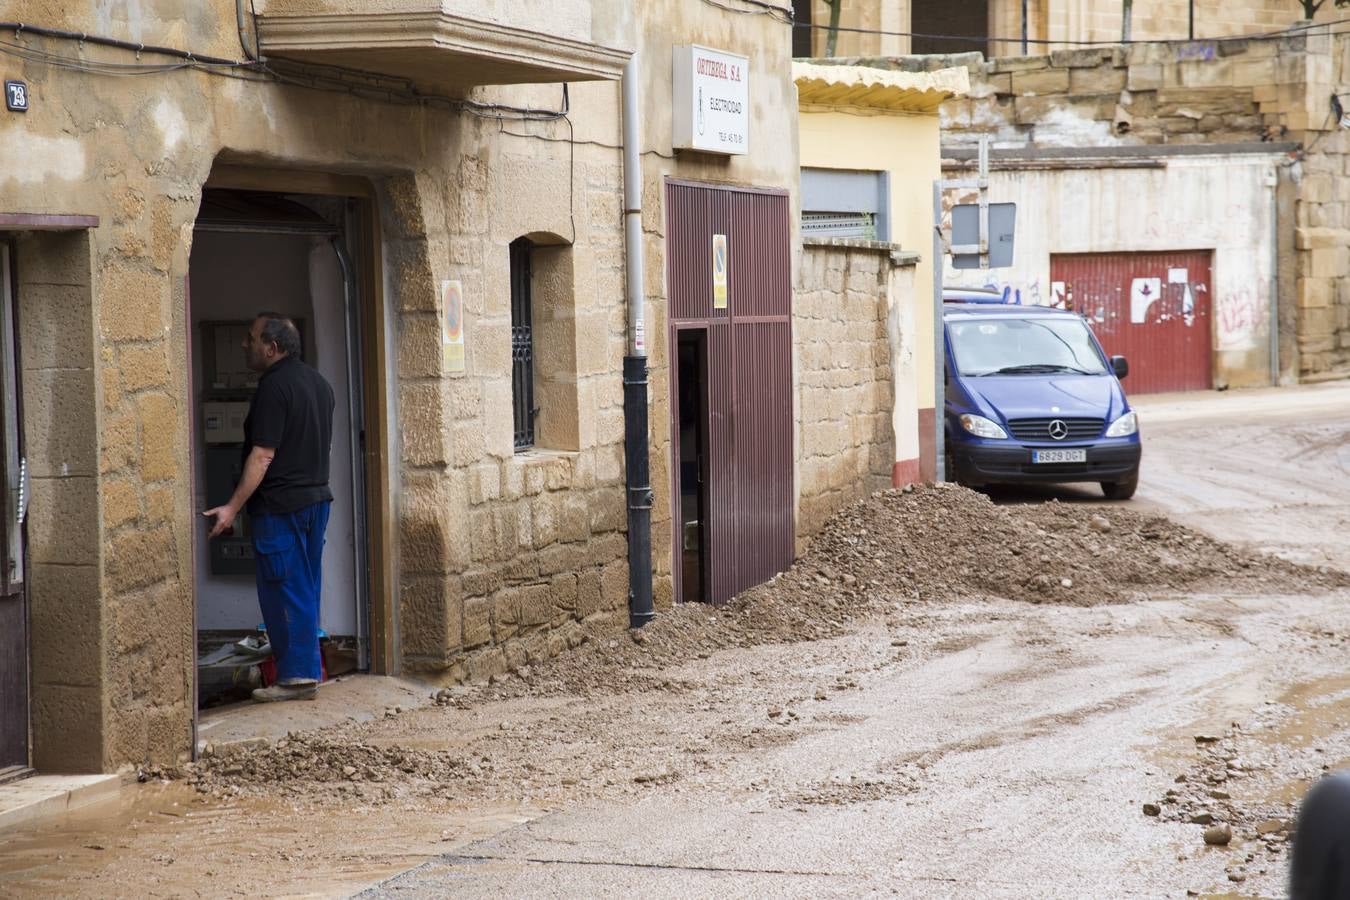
[(711, 101)]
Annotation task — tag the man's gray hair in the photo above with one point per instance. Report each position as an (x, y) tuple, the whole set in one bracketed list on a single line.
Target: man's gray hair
[(280, 330)]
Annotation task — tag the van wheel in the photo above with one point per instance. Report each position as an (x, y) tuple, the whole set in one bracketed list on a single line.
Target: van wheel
[(1121, 490)]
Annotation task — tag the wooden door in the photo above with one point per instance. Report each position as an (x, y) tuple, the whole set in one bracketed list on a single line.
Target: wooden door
[(728, 267)]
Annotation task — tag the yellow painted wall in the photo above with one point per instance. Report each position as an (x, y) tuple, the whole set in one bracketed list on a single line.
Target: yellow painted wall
[(907, 146)]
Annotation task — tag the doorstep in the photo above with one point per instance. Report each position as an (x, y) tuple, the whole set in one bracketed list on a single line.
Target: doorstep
[(357, 698), (28, 800)]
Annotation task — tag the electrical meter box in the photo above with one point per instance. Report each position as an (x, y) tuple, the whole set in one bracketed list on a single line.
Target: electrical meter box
[(223, 421), (226, 391)]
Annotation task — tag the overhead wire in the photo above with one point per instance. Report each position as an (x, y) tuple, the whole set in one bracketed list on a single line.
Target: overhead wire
[(1291, 31)]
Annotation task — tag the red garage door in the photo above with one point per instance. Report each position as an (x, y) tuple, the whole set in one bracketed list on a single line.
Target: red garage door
[(1151, 308)]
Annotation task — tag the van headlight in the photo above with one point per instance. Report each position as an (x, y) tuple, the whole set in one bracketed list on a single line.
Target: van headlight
[(982, 427), (1125, 426)]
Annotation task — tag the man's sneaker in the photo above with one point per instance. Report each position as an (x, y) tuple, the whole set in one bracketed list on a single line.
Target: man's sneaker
[(276, 692)]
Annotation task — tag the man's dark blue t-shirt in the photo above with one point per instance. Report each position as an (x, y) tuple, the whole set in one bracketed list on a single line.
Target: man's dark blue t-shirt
[(292, 412)]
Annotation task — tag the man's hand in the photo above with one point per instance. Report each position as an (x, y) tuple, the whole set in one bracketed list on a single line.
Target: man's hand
[(255, 466), (224, 519)]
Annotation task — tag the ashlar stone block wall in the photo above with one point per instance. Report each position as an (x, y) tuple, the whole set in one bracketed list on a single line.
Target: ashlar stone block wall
[(503, 553), (1201, 93), (844, 322)]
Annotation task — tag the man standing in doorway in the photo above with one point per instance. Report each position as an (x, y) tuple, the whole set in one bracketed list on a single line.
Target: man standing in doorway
[(288, 436)]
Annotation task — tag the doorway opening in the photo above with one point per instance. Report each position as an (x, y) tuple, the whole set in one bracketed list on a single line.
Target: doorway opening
[(291, 254), (692, 456), (15, 690), (962, 24)]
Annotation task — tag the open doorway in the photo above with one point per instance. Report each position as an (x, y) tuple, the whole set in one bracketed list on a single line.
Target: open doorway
[(692, 459), (254, 251)]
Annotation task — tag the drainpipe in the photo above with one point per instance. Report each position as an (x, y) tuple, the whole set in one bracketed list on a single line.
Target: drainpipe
[(241, 20), (635, 447), (1273, 179)]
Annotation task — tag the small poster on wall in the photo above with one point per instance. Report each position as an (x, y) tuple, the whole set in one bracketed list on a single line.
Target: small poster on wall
[(452, 326), (719, 273)]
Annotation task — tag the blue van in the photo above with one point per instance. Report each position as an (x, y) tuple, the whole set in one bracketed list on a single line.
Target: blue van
[(1031, 397)]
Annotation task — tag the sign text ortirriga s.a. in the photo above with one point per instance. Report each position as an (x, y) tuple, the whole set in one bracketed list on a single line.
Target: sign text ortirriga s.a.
[(712, 101)]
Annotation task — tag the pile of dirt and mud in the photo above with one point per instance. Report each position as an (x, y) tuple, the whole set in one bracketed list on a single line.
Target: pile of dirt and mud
[(931, 544), (941, 541), (322, 758), (896, 550)]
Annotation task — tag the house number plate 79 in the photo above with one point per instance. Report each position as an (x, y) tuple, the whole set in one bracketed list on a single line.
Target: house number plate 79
[(16, 96)]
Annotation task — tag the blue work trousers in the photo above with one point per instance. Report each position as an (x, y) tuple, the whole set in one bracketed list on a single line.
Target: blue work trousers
[(288, 552)]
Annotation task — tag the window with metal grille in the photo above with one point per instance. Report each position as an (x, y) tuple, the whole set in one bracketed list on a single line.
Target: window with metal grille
[(840, 224), (522, 344), (846, 203)]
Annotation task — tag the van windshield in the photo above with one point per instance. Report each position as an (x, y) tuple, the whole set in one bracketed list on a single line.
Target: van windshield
[(999, 346)]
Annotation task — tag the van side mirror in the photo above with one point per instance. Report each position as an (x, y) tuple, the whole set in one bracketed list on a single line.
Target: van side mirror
[(1120, 366)]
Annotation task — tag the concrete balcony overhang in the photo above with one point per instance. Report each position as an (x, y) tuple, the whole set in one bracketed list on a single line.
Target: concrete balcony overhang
[(446, 45)]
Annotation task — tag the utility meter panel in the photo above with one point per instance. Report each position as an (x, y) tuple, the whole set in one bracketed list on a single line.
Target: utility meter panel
[(227, 389)]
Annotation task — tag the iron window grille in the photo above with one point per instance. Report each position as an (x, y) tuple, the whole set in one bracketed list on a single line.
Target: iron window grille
[(862, 225), (522, 345)]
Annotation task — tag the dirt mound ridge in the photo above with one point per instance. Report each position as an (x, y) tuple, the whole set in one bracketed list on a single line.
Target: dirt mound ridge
[(934, 543), (940, 541)]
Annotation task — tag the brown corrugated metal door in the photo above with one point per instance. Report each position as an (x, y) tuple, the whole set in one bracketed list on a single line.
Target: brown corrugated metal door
[(749, 528), (1152, 308)]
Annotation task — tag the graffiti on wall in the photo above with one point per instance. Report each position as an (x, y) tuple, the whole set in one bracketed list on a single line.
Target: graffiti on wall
[(1200, 50), (1240, 317), (1163, 225), (1027, 293)]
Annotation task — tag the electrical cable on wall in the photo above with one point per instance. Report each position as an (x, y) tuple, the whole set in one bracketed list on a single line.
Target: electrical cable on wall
[(312, 76)]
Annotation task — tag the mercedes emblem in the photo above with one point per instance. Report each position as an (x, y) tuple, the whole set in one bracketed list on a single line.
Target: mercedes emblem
[(1058, 429)]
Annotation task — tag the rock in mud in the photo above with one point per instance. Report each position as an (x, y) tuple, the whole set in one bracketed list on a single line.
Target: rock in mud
[(1218, 835), (1152, 809), (1203, 818)]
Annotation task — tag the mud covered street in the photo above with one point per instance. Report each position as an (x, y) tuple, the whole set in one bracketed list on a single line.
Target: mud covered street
[(946, 697)]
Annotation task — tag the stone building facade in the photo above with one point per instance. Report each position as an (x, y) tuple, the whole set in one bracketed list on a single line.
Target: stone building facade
[(1108, 109), (1077, 21), (1272, 92), (476, 557), (996, 27)]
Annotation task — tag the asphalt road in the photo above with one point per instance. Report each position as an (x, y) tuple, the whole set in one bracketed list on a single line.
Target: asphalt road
[(1012, 753)]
